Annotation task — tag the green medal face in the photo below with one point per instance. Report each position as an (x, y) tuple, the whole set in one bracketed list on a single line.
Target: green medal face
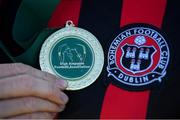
[(72, 54), (71, 58)]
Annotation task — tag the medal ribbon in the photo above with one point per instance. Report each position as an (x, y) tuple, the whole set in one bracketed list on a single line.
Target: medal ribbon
[(66, 10), (120, 103)]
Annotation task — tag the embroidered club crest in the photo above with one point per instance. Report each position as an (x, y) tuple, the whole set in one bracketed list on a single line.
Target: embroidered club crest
[(138, 56)]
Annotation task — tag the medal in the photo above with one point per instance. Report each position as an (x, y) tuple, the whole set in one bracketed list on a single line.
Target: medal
[(73, 54)]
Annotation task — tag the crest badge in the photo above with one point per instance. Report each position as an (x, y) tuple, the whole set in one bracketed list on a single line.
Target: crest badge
[(73, 54), (138, 57)]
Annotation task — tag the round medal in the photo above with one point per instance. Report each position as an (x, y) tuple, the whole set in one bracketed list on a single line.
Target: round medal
[(73, 54)]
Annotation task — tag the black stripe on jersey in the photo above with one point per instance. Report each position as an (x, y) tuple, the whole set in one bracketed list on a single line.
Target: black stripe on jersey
[(101, 18), (165, 101), (4, 58)]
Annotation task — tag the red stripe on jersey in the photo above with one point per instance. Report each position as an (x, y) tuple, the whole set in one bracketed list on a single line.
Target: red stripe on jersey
[(143, 11), (120, 103)]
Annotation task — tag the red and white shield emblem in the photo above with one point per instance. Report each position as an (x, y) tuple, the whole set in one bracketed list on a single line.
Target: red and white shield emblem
[(138, 56)]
